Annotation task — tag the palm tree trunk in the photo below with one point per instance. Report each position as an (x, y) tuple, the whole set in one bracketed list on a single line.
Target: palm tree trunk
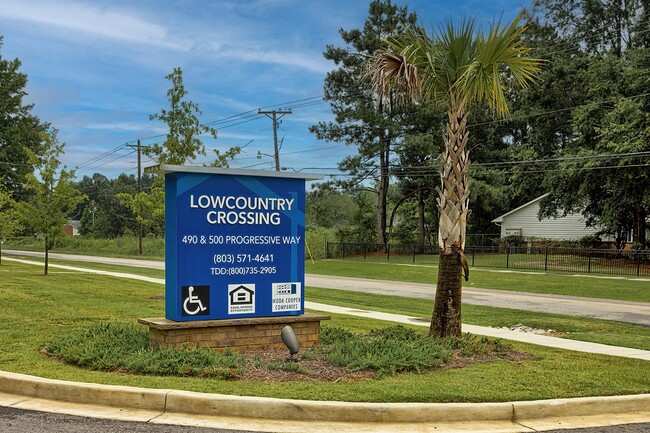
[(453, 204)]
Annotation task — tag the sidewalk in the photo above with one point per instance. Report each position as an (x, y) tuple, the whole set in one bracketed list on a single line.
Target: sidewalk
[(540, 340)]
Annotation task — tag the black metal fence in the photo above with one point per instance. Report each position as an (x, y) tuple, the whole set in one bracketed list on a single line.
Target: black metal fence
[(546, 259)]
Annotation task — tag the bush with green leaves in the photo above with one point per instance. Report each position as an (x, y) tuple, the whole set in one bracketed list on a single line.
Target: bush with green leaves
[(125, 347), (398, 349)]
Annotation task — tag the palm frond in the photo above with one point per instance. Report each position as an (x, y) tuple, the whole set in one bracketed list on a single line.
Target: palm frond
[(392, 77), (499, 51), (456, 63)]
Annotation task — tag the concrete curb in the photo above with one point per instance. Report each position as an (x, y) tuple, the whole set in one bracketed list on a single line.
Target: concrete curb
[(176, 403), (83, 393)]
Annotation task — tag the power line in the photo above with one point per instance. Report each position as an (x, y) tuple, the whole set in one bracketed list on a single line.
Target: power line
[(107, 162), (104, 155)]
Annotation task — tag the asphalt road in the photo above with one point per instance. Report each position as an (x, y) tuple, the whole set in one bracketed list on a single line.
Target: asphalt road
[(27, 421), (630, 312), (606, 309)]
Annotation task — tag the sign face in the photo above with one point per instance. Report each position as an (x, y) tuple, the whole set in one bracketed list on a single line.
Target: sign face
[(234, 246)]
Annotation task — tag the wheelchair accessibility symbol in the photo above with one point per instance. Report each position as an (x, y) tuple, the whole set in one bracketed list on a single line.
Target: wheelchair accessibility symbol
[(196, 300)]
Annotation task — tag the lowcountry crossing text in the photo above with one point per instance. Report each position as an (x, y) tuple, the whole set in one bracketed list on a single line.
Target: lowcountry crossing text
[(240, 210)]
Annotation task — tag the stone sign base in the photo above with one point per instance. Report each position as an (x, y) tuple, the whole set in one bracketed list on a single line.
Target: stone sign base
[(235, 334)]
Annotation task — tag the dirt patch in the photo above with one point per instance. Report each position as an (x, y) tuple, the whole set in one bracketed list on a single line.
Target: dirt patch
[(271, 366)]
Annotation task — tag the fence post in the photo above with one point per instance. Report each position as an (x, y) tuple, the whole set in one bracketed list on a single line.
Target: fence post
[(546, 260), (508, 258), (589, 262), (413, 253), (327, 249), (388, 254), (473, 254)]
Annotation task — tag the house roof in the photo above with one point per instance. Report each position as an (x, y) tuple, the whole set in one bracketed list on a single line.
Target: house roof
[(499, 219), (74, 223)]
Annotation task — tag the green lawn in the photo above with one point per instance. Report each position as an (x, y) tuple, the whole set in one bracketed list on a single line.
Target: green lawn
[(35, 308), (576, 328), (625, 289)]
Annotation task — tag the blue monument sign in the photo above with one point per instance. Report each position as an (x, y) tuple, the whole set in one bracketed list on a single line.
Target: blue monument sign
[(235, 242)]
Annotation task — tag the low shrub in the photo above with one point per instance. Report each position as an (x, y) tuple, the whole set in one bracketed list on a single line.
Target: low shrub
[(399, 349), (125, 348)]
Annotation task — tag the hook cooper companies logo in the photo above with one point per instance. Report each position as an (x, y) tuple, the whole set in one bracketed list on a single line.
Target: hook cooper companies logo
[(196, 300)]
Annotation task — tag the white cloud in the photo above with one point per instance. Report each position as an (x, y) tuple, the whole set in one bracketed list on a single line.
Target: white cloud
[(231, 39), (314, 63), (236, 136), (92, 19), (127, 126)]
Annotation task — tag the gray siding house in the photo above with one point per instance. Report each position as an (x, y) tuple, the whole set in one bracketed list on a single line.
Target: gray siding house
[(523, 221)]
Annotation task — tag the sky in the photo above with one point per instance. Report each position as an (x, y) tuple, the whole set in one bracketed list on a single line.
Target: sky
[(96, 71)]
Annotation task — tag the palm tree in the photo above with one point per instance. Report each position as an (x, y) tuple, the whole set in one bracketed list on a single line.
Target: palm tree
[(453, 69)]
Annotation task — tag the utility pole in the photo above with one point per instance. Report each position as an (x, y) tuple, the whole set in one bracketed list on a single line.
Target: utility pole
[(139, 191), (139, 149), (273, 115)]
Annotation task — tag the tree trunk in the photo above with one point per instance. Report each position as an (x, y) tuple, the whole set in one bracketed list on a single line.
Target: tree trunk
[(47, 247), (421, 225), (382, 191), (453, 206), (640, 227), (446, 319)]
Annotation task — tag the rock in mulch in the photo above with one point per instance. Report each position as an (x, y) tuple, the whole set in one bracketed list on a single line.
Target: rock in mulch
[(519, 327)]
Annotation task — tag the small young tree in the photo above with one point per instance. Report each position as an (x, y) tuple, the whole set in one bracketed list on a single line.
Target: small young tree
[(52, 194), (9, 224), (183, 144), (148, 207)]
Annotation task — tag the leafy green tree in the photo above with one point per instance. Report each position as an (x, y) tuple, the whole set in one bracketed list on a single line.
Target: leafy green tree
[(9, 224), (413, 171), (612, 192), (599, 25), (52, 194), (20, 130), (594, 88), (362, 225), (148, 207), (357, 123), (183, 144), (455, 68), (328, 207), (103, 215)]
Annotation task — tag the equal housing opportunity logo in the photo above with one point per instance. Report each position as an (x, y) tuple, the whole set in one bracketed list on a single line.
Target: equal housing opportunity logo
[(241, 298)]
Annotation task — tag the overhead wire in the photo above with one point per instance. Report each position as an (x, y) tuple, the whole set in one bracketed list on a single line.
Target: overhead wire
[(251, 115)]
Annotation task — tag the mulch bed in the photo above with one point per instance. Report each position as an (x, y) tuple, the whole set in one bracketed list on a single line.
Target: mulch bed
[(319, 370)]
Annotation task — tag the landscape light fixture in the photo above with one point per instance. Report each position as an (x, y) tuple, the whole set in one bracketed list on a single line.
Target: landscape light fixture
[(289, 339)]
